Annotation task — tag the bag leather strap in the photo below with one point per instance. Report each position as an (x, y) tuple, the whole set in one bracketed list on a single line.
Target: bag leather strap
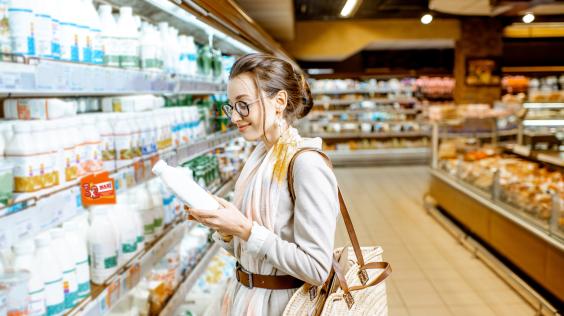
[(342, 206)]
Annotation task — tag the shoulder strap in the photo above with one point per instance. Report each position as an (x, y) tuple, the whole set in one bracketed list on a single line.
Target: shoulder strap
[(343, 207)]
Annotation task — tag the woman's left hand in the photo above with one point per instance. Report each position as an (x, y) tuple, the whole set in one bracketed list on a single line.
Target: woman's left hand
[(227, 219)]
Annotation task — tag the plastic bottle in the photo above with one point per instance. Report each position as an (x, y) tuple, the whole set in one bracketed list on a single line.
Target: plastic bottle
[(135, 136), (123, 141), (20, 18), (60, 249), (70, 171), (25, 260), (192, 52), (151, 50), (166, 52), (175, 50), (127, 231), (43, 28), (179, 182), (145, 209), (157, 208), (50, 130), (102, 245), (79, 253), (21, 152), (129, 39), (110, 44), (108, 146), (95, 28), (130, 202), (92, 154), (183, 63), (68, 31), (5, 42), (56, 28), (52, 275), (80, 19)]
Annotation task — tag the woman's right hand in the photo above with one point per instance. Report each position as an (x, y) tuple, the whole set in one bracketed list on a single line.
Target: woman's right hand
[(225, 237)]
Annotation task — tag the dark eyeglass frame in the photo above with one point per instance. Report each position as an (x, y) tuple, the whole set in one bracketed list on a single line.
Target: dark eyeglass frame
[(241, 107)]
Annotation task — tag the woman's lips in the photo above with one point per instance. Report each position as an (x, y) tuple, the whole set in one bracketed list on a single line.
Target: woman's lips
[(243, 127)]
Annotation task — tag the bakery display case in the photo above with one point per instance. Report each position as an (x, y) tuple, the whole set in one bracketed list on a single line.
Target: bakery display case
[(542, 126), (511, 199)]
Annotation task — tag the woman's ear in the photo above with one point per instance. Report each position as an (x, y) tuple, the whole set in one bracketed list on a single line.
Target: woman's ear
[(281, 100)]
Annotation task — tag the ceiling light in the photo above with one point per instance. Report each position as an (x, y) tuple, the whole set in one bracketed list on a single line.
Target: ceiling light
[(348, 8), (528, 18), (426, 19)]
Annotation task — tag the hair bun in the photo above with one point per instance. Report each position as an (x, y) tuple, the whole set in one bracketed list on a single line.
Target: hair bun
[(307, 100)]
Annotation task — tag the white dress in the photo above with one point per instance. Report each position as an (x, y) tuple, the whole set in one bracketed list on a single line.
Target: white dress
[(301, 244)]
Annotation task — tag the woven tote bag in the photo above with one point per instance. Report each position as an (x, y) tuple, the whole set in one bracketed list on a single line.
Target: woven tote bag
[(355, 285)]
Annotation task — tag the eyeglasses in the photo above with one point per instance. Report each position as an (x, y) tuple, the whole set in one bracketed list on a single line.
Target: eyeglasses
[(241, 107)]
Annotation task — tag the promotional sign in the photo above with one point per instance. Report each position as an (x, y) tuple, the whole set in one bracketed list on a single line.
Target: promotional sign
[(97, 189)]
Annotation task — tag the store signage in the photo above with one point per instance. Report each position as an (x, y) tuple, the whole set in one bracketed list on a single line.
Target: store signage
[(97, 189)]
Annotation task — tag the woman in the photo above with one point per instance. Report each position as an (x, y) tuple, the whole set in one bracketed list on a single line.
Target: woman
[(282, 243)]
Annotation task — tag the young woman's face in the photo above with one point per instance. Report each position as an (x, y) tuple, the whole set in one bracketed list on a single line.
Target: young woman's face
[(243, 88)]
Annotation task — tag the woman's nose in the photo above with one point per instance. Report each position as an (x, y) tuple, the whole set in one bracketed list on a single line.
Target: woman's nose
[(235, 117)]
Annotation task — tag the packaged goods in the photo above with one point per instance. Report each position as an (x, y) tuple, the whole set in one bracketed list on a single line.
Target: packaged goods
[(102, 245), (15, 283), (128, 37), (38, 109), (52, 275), (20, 19), (109, 36), (25, 260), (60, 248), (79, 253)]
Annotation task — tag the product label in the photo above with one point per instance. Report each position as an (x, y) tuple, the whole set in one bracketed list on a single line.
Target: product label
[(124, 147), (83, 278), (71, 169), (140, 239), (36, 305), (109, 47), (129, 247), (103, 260), (92, 161), (98, 189), (32, 173), (21, 31), (69, 41), (129, 54), (70, 287), (149, 229), (56, 40), (54, 297), (43, 35), (158, 222), (110, 262), (108, 148)]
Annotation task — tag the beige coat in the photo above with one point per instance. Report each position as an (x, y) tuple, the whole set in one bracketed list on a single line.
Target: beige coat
[(301, 243)]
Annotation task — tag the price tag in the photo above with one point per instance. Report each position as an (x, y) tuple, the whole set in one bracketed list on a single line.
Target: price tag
[(133, 276), (139, 170), (98, 188)]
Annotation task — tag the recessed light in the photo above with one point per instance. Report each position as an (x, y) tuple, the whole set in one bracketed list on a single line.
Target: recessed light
[(348, 8), (426, 18), (528, 18)]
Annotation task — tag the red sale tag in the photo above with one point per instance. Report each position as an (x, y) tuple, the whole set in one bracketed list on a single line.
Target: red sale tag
[(98, 188)]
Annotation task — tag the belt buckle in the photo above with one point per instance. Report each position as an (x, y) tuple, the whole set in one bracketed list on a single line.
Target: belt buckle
[(248, 273)]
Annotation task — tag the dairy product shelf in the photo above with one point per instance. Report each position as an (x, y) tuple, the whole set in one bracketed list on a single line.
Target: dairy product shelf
[(386, 156), (116, 287), (377, 101), (180, 294), (35, 212), (343, 135), (364, 90), (57, 78), (104, 297)]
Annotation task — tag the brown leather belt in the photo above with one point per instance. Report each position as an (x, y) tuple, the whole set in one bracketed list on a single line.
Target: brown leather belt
[(272, 282)]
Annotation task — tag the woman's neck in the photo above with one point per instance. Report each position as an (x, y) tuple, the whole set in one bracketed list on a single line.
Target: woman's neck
[(273, 135)]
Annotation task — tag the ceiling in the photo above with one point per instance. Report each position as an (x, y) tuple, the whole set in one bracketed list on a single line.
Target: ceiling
[(307, 10), (275, 16)]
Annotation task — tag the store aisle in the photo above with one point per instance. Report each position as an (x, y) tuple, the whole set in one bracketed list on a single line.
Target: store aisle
[(433, 274)]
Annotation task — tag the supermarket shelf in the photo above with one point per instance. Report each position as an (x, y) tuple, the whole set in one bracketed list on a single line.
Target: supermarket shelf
[(365, 110), (180, 294), (56, 78), (386, 156), (510, 132), (344, 135), (552, 158), (504, 210), (547, 122), (35, 212), (377, 100), (543, 105), (350, 91), (104, 297)]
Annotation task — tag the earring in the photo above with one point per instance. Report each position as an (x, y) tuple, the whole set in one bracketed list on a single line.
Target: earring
[(280, 123)]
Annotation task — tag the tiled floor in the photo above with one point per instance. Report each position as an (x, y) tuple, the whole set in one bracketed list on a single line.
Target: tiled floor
[(432, 273)]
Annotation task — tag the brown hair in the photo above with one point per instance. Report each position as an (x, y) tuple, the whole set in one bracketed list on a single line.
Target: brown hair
[(274, 74)]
